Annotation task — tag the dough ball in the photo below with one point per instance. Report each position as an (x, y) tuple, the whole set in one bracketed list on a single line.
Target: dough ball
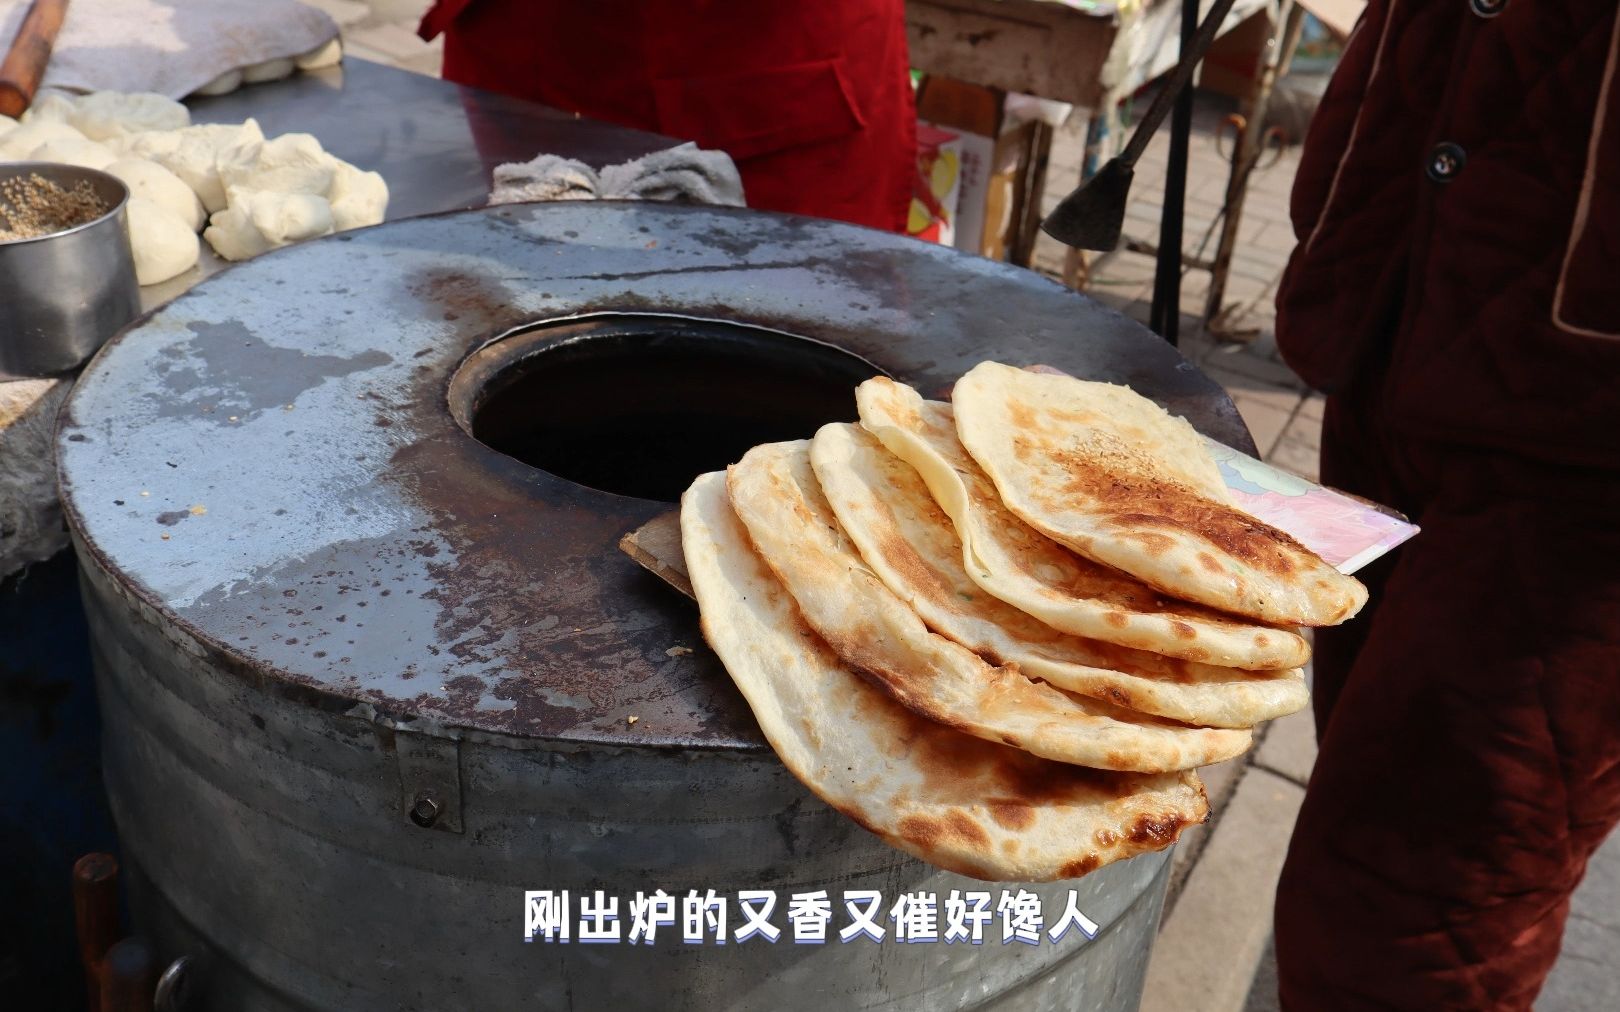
[(257, 221), (49, 106), (328, 55), (164, 246), (290, 217), (151, 181), (193, 154), (18, 144), (224, 84), (105, 114), (269, 70), (358, 198), (232, 235), (149, 144), (291, 163), (75, 151)]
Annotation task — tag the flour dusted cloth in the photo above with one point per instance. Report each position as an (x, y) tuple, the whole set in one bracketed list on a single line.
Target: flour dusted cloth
[(30, 517), (685, 173), (172, 47)]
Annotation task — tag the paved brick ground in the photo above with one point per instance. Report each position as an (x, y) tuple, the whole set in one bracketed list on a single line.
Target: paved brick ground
[(1216, 954), (384, 31), (1284, 416)]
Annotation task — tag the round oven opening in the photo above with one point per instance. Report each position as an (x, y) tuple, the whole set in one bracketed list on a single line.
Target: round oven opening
[(641, 405)]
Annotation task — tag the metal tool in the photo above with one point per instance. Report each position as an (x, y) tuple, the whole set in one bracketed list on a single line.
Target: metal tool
[(1164, 314), (62, 295), (1093, 215), (24, 64)]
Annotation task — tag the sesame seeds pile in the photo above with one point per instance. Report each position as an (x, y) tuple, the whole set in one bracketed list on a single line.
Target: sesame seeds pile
[(32, 206)]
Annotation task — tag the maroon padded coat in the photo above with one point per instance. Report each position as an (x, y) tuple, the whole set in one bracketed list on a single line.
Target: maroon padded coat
[(1458, 210), (1458, 206)]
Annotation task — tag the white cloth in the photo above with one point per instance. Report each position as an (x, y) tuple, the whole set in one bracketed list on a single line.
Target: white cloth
[(30, 517), (685, 173), (172, 47)]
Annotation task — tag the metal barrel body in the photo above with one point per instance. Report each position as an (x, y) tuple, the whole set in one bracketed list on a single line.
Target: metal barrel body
[(365, 679), (270, 839)]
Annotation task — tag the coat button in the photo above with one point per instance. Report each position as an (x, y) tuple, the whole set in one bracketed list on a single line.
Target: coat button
[(1445, 161), (1487, 8)]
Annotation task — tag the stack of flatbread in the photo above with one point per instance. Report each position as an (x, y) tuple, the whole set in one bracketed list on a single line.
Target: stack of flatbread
[(1002, 632)]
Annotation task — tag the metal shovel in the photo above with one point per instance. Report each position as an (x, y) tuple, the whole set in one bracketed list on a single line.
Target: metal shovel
[(1092, 216)]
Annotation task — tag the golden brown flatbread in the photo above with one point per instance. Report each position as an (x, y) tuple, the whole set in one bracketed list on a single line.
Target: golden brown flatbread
[(1108, 473), (966, 805), (886, 510), (791, 526), (1035, 574)]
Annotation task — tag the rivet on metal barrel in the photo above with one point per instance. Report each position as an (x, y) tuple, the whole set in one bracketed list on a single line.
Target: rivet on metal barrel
[(425, 811), (394, 671)]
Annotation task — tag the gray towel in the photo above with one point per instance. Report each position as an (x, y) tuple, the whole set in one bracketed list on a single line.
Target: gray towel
[(30, 517), (686, 174)]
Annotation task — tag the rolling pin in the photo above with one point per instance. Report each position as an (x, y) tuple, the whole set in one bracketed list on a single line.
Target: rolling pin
[(30, 51)]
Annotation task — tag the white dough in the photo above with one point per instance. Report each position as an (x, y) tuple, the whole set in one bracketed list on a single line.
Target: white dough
[(7, 124), (75, 151), (110, 115), (224, 84), (49, 106), (257, 221), (232, 235), (328, 55), (269, 70), (193, 153), (106, 114), (358, 198), (163, 244), (18, 144), (149, 180), (252, 194), (291, 163), (289, 217), (147, 145)]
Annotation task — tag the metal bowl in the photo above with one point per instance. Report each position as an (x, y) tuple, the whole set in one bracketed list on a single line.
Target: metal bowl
[(64, 294)]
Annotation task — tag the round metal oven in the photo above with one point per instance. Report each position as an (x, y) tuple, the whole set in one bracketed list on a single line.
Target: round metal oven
[(371, 664)]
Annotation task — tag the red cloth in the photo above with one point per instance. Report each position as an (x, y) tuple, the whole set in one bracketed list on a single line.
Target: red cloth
[(812, 100), (1490, 298), (1463, 312)]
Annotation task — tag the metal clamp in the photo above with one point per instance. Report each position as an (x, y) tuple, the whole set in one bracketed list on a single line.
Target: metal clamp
[(429, 780)]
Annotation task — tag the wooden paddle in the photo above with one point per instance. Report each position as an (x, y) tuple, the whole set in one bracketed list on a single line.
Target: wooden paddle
[(656, 547), (24, 64)]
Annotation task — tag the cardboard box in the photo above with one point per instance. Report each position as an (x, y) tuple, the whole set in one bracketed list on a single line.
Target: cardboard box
[(991, 161), (936, 191)]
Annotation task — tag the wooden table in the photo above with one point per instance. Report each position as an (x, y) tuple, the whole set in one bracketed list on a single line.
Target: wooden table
[(1090, 54)]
